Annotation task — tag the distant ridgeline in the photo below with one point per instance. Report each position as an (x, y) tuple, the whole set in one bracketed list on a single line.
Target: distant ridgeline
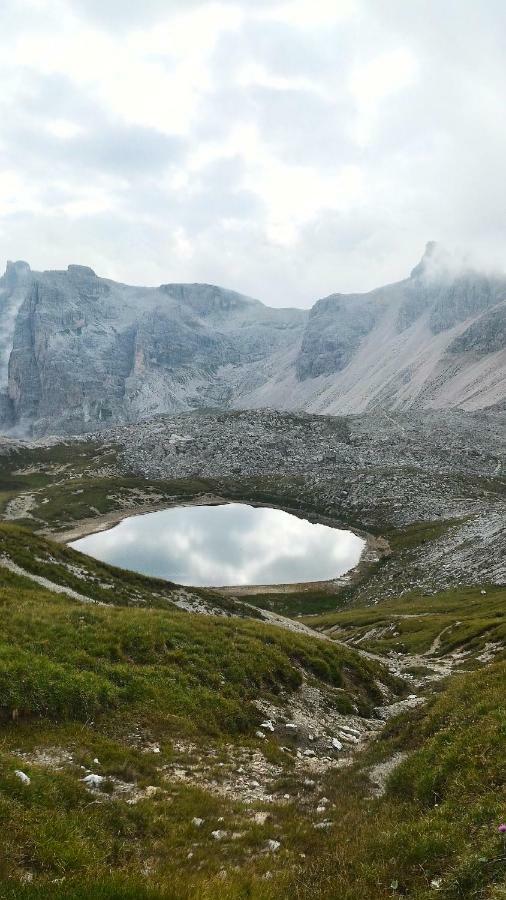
[(78, 352)]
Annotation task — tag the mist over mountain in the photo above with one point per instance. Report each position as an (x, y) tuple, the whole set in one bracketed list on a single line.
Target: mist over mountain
[(79, 352)]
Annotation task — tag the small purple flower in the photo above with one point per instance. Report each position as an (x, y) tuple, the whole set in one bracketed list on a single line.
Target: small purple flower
[(502, 828)]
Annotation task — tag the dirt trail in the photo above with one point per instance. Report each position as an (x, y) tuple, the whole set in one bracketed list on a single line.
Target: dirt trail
[(436, 643)]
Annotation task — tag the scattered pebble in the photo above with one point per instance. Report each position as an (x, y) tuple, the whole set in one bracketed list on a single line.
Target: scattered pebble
[(260, 818)]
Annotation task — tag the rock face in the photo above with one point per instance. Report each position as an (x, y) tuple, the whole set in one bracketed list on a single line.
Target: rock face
[(435, 340), (78, 351), (88, 351)]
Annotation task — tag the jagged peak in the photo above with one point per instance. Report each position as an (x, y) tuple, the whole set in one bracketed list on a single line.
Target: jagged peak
[(14, 271), (441, 263), (19, 265), (432, 249)]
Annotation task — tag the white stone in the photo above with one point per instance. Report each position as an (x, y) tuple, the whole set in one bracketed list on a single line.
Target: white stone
[(268, 725), (22, 777), (272, 845), (93, 781)]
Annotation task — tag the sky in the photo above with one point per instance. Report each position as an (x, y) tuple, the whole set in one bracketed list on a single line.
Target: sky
[(286, 149)]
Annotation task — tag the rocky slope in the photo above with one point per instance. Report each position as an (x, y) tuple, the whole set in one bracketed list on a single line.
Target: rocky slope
[(77, 351), (434, 340)]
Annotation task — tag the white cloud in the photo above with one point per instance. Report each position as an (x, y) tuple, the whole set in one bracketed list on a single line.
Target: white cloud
[(64, 129), (286, 148), (374, 81), (314, 13)]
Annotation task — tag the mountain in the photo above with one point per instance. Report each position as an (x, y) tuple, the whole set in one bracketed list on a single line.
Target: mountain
[(86, 351), (436, 339), (79, 351)]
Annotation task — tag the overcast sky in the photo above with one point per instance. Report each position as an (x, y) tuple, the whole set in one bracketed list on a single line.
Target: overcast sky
[(284, 148)]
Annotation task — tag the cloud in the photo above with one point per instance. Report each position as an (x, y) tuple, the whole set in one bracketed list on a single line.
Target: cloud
[(284, 148)]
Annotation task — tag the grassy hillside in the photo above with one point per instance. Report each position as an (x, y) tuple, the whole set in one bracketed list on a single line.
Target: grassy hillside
[(434, 832), (464, 618), (138, 694), (194, 801)]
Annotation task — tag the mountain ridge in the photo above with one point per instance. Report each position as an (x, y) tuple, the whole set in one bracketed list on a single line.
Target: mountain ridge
[(79, 351)]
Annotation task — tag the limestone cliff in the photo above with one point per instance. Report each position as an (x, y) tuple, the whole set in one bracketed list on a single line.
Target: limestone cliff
[(78, 351)]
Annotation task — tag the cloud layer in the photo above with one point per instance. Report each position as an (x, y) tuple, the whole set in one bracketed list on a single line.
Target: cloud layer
[(285, 148)]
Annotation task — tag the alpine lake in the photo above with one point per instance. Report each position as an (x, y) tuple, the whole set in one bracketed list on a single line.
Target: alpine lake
[(231, 544)]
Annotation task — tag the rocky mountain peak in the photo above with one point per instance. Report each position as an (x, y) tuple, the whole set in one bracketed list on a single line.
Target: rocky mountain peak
[(15, 270), (431, 252)]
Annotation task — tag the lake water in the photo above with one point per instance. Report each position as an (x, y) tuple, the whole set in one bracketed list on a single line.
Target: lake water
[(232, 544)]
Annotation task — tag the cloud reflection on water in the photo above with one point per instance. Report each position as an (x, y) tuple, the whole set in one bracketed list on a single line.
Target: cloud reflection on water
[(233, 544)]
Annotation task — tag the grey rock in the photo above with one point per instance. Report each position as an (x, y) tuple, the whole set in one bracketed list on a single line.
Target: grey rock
[(79, 352)]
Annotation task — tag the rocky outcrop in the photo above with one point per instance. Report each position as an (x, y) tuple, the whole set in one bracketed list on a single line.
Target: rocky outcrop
[(334, 331), (78, 351)]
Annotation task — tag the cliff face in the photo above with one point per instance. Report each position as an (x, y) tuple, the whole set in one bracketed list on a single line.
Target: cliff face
[(78, 351), (86, 351)]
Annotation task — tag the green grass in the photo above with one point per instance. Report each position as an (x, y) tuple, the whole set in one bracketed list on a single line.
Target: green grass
[(409, 624), (437, 820), (93, 579), (417, 533), (69, 483), (297, 603), (63, 659), (439, 817), (106, 681)]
